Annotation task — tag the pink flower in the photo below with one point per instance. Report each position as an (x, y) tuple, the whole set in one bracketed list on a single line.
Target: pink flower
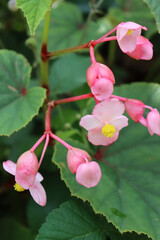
[(75, 157), (135, 109), (105, 122), (26, 170), (153, 122), (88, 174), (36, 189), (127, 34), (143, 50), (100, 79)]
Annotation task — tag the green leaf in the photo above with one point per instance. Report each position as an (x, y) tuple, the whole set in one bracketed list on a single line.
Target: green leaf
[(18, 105), (34, 11), (72, 221), (68, 73), (129, 191), (154, 6), (11, 229), (67, 26)]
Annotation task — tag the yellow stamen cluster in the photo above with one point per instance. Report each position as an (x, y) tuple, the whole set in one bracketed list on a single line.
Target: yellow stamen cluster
[(108, 130), (129, 32), (18, 188)]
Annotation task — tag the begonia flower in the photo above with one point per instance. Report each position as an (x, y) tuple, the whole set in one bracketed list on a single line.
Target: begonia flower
[(127, 34), (75, 157), (100, 79), (88, 174), (105, 122), (153, 122), (143, 50), (26, 169), (135, 109), (36, 189)]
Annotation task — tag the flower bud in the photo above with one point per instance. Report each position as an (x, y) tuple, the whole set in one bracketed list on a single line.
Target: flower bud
[(100, 79), (12, 5), (88, 174), (75, 157), (153, 122), (26, 170), (135, 109)]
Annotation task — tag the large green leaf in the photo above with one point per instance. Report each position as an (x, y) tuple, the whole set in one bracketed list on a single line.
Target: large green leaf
[(18, 105), (68, 73), (154, 6), (34, 11), (75, 220), (67, 26), (129, 191)]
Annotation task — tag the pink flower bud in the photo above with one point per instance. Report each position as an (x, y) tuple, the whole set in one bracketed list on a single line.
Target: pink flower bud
[(143, 50), (127, 34), (88, 174), (135, 109), (100, 79), (153, 122), (26, 170), (75, 157)]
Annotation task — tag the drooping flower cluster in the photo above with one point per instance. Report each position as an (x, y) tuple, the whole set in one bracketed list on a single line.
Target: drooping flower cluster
[(103, 125)]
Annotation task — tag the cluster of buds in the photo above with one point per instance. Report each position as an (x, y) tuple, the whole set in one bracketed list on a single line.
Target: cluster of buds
[(103, 125)]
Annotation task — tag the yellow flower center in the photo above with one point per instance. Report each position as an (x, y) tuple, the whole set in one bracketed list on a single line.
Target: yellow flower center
[(108, 130), (129, 32), (18, 188)]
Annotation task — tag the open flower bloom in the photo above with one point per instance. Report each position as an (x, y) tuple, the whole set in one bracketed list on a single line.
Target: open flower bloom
[(135, 109), (143, 50), (88, 174), (100, 79), (36, 189), (153, 122), (127, 34), (105, 122)]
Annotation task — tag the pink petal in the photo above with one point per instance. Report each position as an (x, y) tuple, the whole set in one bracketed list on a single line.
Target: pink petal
[(88, 174), (153, 121), (97, 138), (38, 193), (10, 167), (89, 122), (119, 122), (108, 110), (135, 109), (102, 89), (25, 177), (39, 177)]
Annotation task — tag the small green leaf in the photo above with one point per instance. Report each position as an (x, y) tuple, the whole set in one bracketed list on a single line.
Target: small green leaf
[(18, 105), (34, 11), (154, 6), (68, 73), (129, 191)]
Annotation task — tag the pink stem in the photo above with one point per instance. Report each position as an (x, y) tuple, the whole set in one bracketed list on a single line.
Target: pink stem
[(48, 119), (146, 106), (106, 35), (104, 40), (37, 143), (60, 140), (96, 100), (71, 99), (120, 98), (91, 49), (44, 149)]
